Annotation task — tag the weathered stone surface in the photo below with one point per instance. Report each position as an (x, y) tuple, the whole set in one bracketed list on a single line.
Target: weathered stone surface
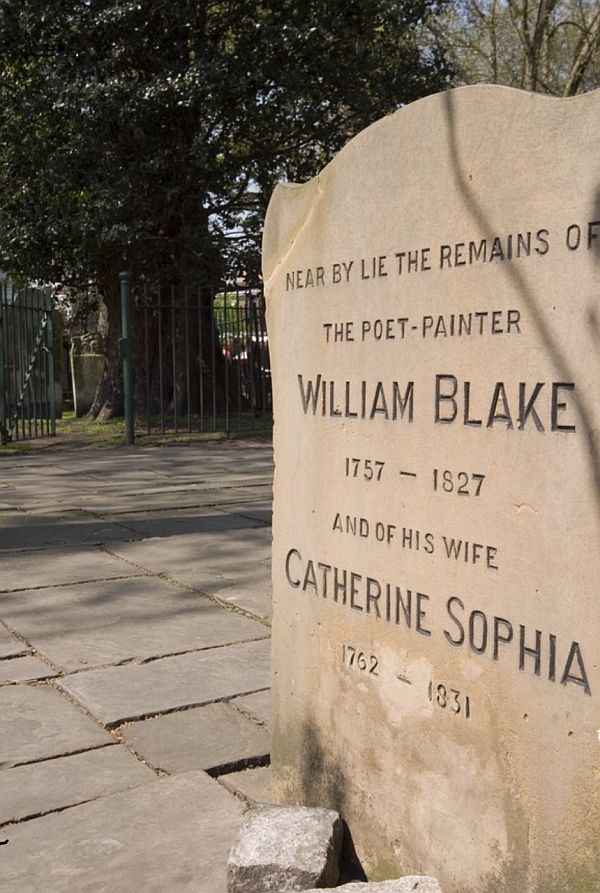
[(25, 570), (285, 848), (171, 838), (172, 834), (10, 646), (254, 784), (24, 669), (186, 521), (204, 738), (59, 528), (255, 510), (53, 784), (87, 362), (437, 495), (410, 884), (236, 569), (155, 497), (187, 558), (252, 596), (131, 692), (38, 722), (136, 617), (258, 705)]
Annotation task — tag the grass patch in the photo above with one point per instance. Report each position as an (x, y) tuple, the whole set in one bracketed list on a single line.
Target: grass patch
[(82, 433), (70, 424)]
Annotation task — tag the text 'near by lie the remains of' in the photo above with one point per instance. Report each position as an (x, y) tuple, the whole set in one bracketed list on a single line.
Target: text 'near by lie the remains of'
[(433, 301)]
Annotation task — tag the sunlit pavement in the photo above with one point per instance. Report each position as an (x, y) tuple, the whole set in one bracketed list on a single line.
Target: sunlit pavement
[(135, 600)]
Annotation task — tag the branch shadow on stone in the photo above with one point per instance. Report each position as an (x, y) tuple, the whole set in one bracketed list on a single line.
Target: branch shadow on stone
[(535, 307)]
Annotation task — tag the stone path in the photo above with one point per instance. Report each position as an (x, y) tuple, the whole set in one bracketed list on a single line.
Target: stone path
[(135, 606)]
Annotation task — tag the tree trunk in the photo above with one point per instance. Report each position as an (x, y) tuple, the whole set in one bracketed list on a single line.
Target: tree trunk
[(108, 401)]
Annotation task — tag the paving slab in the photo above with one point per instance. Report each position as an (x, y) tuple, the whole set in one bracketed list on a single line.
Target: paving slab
[(194, 522), (258, 706), (22, 495), (131, 692), (221, 459), (217, 552), (203, 738), (38, 788), (254, 784), (214, 581), (201, 516), (39, 722), (24, 669), (254, 596), (10, 646), (159, 498), (254, 509), (26, 570), (34, 531), (212, 564), (173, 834), (95, 624)]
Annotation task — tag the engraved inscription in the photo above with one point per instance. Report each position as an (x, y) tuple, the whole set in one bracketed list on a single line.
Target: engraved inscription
[(369, 469), (450, 699), (505, 405), (360, 660), (495, 637), (462, 483)]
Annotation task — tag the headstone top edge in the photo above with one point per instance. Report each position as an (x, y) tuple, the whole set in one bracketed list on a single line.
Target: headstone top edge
[(499, 91)]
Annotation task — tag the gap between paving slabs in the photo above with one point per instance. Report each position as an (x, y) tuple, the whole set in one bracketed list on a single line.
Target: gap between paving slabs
[(176, 581), (20, 647), (140, 572), (253, 760), (93, 762)]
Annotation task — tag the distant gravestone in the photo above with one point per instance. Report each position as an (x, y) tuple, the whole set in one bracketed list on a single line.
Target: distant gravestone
[(434, 324), (87, 368)]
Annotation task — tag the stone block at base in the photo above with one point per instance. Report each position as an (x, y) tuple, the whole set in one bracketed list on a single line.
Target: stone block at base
[(411, 884), (285, 848)]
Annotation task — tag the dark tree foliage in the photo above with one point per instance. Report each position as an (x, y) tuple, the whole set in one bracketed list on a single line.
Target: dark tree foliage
[(150, 133)]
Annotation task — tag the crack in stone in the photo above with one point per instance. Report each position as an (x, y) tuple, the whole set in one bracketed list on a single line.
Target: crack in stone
[(57, 809), (117, 733), (234, 609), (247, 715), (137, 661), (30, 648), (142, 717), (77, 583), (63, 544), (163, 575), (255, 762), (149, 660), (58, 756), (69, 697)]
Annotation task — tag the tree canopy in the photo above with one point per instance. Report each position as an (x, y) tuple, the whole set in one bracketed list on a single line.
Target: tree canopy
[(142, 132), (547, 46), (148, 134)]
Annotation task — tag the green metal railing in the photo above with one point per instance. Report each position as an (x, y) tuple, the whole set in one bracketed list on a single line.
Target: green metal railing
[(27, 396), (195, 359)]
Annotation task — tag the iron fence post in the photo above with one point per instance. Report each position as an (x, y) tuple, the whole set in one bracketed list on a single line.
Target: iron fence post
[(126, 354), (47, 299), (3, 400)]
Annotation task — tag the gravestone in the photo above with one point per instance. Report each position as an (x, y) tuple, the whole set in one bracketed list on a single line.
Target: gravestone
[(88, 363), (433, 302)]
